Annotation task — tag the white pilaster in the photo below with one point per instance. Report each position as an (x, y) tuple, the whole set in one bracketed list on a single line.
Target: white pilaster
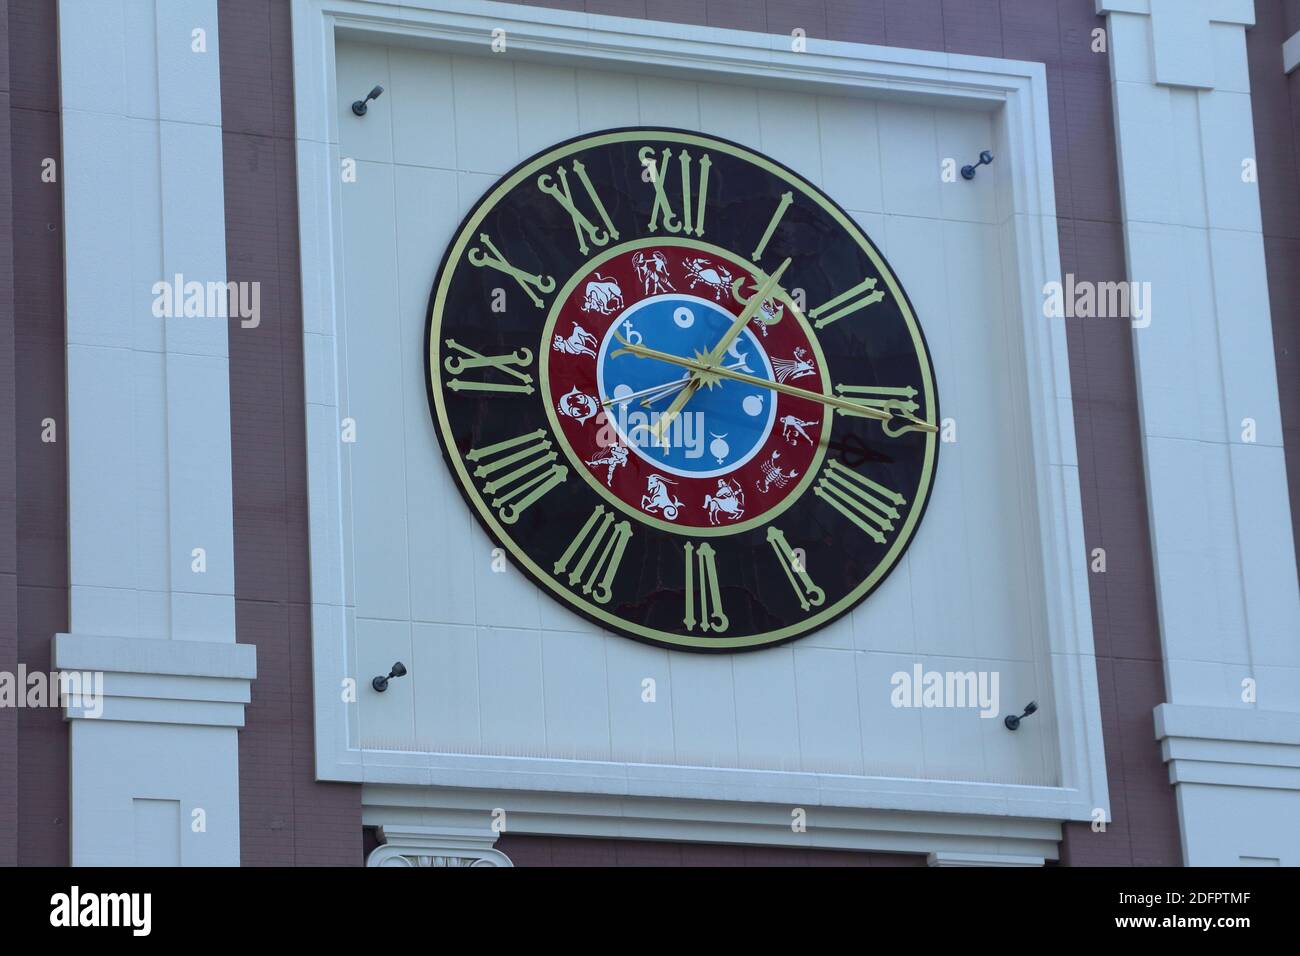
[(1291, 53), (150, 520), (1216, 480)]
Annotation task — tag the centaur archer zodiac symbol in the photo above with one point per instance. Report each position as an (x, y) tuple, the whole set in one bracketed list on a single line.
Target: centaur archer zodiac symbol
[(773, 475), (728, 501), (579, 342), (658, 497), (652, 270), (614, 458)]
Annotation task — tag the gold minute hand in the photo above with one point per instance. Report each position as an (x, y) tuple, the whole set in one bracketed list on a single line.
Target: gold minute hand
[(853, 408)]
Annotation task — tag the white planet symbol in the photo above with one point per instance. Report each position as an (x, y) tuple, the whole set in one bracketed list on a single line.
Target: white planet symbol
[(622, 391), (684, 317), (719, 447), (753, 404)]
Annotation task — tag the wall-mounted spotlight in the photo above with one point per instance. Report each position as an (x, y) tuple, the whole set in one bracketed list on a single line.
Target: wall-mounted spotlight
[(380, 683), (967, 172), (359, 107), (1012, 721)]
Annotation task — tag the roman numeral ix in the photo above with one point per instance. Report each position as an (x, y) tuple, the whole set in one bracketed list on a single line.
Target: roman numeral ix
[(519, 487)]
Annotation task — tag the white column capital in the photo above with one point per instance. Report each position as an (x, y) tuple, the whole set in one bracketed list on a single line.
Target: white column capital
[(406, 845), (944, 858), (1183, 46)]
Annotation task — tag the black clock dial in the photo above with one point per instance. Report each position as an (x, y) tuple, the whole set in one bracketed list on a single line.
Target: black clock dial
[(682, 389)]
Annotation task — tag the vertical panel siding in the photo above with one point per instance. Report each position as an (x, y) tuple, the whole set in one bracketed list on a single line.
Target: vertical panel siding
[(286, 817), (33, 486)]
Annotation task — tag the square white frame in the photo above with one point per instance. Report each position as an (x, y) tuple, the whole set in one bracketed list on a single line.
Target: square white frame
[(1015, 91)]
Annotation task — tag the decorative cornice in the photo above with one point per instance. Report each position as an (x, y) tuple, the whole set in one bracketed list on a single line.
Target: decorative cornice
[(982, 859), (160, 681), (1229, 746)]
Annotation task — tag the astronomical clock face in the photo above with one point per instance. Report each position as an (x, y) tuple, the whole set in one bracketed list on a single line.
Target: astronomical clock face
[(682, 389)]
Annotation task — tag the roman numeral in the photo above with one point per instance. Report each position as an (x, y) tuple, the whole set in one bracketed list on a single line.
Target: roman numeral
[(864, 297), (611, 542), (454, 366), (781, 207), (702, 587), (527, 281), (897, 400), (581, 224), (687, 223), (808, 594), (522, 486), (869, 505)]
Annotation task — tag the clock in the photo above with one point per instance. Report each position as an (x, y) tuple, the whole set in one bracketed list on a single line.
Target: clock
[(682, 389)]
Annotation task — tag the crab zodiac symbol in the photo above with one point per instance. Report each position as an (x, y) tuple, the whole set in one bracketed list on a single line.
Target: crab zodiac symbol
[(773, 475), (652, 270), (728, 501), (579, 342), (658, 497), (616, 456), (703, 272)]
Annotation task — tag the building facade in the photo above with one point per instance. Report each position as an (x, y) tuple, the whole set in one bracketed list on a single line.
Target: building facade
[(227, 502)]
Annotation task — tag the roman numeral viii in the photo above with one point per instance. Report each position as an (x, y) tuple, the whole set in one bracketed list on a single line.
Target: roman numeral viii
[(516, 488), (605, 542), (689, 221)]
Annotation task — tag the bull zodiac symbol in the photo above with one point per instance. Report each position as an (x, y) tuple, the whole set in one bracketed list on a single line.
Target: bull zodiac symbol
[(603, 296)]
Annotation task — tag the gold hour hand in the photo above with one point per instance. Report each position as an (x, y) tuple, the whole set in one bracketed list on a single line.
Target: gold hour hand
[(852, 408)]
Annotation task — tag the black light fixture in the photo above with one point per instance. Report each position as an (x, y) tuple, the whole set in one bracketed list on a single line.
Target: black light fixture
[(967, 172), (1013, 722), (359, 107), (380, 683)]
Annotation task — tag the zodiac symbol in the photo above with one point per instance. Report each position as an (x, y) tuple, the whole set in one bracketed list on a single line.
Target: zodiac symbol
[(579, 342)]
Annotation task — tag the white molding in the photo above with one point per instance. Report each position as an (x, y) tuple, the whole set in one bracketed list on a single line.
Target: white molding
[(1291, 52), (710, 819), (982, 859), (1015, 91), (1229, 747)]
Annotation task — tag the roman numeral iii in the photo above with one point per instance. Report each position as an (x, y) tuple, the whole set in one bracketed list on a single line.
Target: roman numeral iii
[(690, 221), (522, 486), (600, 537)]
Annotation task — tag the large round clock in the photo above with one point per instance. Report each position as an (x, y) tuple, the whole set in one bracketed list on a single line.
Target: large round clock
[(682, 389)]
